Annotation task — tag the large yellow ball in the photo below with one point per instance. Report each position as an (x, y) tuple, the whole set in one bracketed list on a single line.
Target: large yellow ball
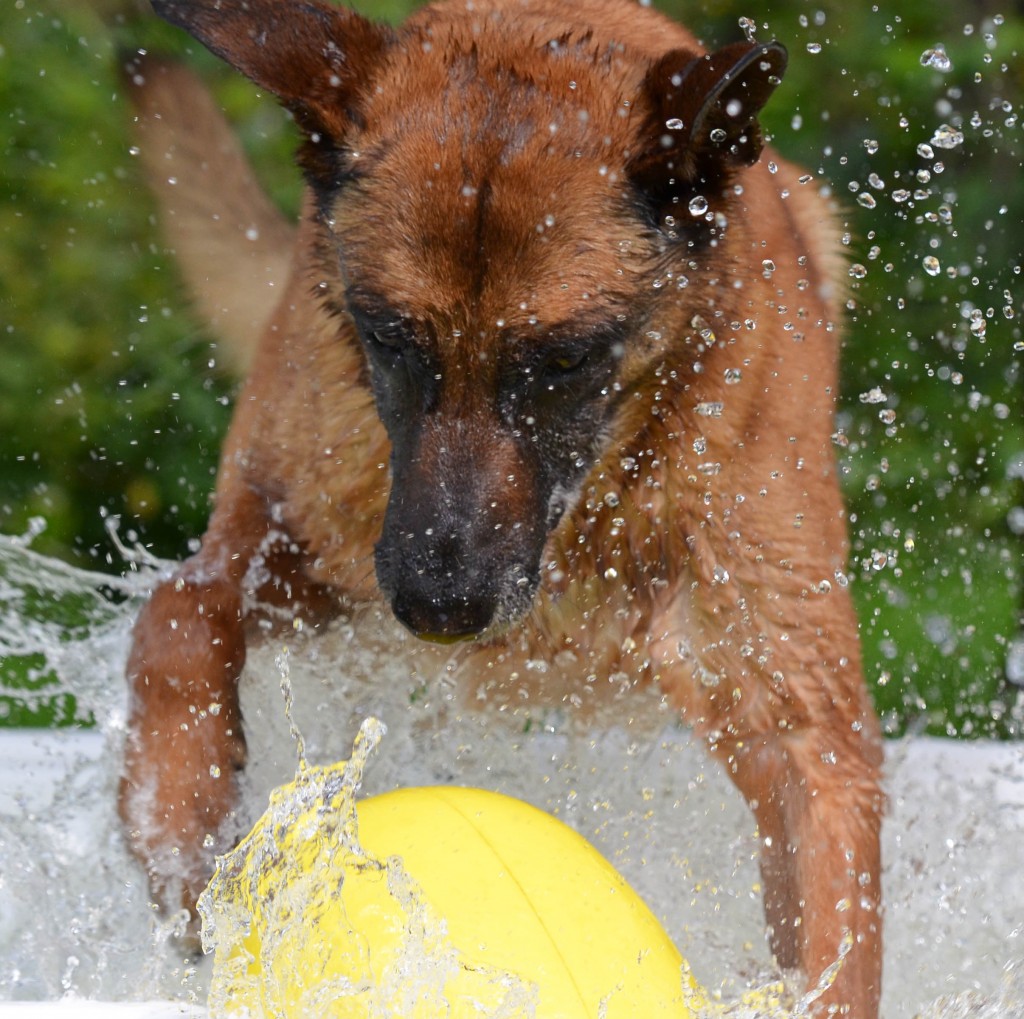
[(495, 909), (523, 893)]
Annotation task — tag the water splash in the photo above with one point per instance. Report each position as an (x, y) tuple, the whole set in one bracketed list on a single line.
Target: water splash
[(56, 623), (281, 661), (293, 918), (74, 911), (1008, 1004), (273, 931)]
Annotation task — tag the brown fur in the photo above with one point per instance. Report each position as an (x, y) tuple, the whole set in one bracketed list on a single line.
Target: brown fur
[(497, 258)]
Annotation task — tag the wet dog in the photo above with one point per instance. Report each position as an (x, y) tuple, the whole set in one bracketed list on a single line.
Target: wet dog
[(557, 353)]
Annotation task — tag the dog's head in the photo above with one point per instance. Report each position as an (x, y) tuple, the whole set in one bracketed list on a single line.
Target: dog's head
[(498, 196)]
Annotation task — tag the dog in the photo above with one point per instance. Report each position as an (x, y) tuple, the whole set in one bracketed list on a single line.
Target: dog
[(557, 354)]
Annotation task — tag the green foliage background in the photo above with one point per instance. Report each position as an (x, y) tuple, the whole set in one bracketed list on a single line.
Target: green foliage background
[(112, 406)]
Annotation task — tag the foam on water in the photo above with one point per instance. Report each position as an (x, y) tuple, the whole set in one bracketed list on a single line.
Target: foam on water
[(74, 912)]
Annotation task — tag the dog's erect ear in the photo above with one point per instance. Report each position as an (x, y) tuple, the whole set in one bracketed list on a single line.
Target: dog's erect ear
[(702, 118), (314, 57)]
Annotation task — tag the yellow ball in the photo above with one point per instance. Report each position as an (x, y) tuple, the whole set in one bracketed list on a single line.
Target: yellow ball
[(523, 893), (494, 908)]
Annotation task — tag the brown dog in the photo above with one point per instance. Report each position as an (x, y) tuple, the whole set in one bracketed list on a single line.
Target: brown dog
[(546, 273)]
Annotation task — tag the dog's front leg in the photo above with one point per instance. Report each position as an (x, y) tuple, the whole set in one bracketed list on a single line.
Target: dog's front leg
[(801, 744), (184, 742), (818, 808)]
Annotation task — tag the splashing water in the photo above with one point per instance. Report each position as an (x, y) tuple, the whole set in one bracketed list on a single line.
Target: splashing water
[(273, 931), (74, 912), (303, 920)]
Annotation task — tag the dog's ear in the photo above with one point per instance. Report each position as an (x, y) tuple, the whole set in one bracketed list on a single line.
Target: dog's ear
[(702, 124), (316, 58)]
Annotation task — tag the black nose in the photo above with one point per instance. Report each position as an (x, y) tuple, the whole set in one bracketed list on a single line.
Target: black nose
[(442, 622)]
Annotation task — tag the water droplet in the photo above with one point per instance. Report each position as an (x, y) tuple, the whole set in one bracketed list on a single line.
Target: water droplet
[(866, 200), (925, 151), (674, 124), (858, 271), (814, 47), (698, 205), (947, 137), (931, 265), (707, 334), (937, 58), (733, 376), (874, 395)]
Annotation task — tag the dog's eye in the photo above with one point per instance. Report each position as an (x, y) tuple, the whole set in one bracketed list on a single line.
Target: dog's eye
[(566, 362), (386, 346), (388, 340)]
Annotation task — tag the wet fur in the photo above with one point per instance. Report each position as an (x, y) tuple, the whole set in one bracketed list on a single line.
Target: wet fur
[(513, 388)]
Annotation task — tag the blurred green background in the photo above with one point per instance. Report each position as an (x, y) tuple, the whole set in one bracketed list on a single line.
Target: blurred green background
[(112, 406)]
